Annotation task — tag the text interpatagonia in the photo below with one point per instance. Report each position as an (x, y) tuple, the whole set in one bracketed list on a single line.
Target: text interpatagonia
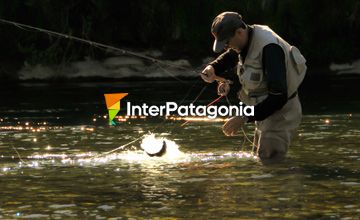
[(172, 108)]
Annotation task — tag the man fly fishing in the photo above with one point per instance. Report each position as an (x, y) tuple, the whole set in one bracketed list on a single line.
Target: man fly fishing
[(269, 70)]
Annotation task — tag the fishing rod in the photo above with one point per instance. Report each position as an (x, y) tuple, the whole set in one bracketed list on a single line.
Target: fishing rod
[(101, 46), (104, 46), (123, 51)]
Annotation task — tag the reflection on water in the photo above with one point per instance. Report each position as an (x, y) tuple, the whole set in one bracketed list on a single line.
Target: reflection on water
[(64, 172)]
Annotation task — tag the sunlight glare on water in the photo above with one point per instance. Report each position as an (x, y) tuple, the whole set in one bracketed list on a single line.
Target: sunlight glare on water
[(69, 169), (152, 145), (149, 143)]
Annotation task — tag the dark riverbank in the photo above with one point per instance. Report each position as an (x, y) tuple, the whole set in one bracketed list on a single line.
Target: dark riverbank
[(325, 31)]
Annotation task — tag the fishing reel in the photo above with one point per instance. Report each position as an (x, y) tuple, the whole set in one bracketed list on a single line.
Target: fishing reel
[(223, 87)]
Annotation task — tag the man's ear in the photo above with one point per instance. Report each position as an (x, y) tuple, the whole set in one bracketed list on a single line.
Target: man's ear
[(239, 31)]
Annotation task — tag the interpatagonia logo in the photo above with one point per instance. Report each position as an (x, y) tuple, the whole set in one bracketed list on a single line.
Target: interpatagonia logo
[(172, 108), (113, 105)]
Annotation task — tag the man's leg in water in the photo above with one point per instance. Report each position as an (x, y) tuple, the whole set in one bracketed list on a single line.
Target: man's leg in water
[(274, 145), (273, 136)]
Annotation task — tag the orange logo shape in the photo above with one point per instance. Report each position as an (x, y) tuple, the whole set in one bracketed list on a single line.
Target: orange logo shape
[(113, 105)]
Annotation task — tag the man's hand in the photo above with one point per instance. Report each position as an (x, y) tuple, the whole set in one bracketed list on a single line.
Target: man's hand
[(208, 74), (233, 125), (223, 88)]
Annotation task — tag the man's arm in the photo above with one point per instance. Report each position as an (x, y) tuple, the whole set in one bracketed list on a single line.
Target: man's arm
[(275, 70), (225, 61)]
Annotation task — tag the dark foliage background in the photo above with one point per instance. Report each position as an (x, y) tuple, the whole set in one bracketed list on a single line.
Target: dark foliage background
[(325, 31)]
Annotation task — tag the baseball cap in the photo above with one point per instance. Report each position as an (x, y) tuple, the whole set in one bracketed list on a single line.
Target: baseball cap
[(223, 28)]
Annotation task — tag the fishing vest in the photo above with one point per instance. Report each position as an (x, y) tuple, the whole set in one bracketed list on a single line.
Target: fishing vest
[(251, 76)]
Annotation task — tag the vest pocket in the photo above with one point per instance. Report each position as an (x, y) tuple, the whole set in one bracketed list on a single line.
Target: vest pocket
[(298, 60), (252, 77)]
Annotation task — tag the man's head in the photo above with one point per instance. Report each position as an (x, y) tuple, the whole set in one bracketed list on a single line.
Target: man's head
[(229, 30)]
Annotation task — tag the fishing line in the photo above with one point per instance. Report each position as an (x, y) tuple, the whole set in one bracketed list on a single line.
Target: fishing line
[(18, 154), (122, 51), (105, 47), (122, 147), (246, 138), (96, 44), (211, 103), (170, 74), (163, 121)]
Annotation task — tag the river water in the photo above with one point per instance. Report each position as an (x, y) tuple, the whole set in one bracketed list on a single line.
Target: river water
[(51, 135)]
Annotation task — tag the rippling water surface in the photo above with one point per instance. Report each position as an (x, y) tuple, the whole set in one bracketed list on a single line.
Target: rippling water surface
[(55, 160)]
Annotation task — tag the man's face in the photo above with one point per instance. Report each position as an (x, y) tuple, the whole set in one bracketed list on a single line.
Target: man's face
[(239, 40)]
